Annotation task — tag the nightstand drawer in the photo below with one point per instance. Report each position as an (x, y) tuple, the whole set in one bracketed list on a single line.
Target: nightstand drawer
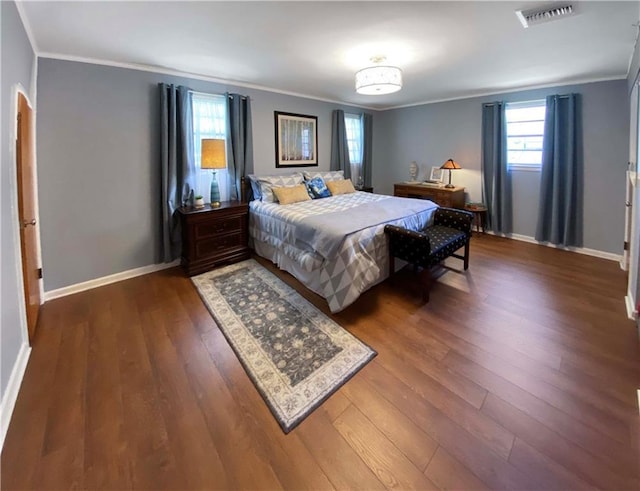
[(210, 228), (219, 245)]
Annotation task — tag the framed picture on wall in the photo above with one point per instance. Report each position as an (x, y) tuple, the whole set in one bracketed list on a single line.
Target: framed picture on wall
[(437, 174), (296, 140)]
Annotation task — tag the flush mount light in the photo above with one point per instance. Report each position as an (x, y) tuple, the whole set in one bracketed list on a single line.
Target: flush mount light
[(378, 79)]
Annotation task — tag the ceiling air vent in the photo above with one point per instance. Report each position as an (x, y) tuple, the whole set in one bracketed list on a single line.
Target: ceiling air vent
[(544, 14)]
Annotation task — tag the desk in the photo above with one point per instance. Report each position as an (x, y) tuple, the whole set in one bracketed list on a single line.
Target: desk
[(448, 197)]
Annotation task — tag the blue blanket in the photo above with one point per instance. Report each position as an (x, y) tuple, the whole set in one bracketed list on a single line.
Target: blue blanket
[(326, 233)]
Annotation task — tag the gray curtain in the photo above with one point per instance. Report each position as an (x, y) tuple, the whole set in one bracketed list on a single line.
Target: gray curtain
[(339, 147), (367, 148), (239, 142), (560, 209), (177, 161), (496, 178)]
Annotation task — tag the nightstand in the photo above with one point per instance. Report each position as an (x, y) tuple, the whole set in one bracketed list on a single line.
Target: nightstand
[(214, 236)]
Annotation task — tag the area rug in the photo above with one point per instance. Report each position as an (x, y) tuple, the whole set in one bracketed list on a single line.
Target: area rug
[(295, 355)]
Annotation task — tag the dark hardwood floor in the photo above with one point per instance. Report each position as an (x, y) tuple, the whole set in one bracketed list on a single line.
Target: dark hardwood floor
[(520, 374)]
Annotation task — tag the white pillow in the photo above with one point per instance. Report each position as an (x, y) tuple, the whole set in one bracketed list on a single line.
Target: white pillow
[(334, 175), (267, 183)]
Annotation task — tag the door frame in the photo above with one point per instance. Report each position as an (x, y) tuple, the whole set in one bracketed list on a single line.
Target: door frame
[(15, 219)]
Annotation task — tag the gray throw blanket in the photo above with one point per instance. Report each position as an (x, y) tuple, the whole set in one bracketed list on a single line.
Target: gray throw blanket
[(326, 233)]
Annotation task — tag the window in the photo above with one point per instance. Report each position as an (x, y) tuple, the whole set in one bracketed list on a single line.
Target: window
[(353, 124), (209, 121), (525, 132)]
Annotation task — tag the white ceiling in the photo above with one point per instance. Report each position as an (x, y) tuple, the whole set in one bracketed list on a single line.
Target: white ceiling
[(446, 50)]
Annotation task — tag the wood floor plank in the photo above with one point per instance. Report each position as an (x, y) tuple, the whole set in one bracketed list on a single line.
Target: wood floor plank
[(25, 435), (520, 373), (557, 420), (414, 443), (447, 473), (149, 458), (494, 435), (482, 461), (277, 450), (596, 418), (338, 460), (393, 469), (589, 466), (394, 344), (551, 474)]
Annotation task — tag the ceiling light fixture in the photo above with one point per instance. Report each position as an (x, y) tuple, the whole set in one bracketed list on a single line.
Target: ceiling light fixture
[(378, 79)]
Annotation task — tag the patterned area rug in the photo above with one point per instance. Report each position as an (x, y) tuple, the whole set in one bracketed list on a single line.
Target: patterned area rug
[(295, 355)]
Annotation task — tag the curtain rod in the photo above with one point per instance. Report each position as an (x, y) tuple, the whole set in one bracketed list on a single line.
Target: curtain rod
[(561, 96), (214, 94)]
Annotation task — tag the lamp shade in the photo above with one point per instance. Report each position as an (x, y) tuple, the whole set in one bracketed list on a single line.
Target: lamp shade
[(378, 80), (213, 155), (451, 164)]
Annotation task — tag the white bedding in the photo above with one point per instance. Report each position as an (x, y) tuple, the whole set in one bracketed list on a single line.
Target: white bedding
[(361, 259)]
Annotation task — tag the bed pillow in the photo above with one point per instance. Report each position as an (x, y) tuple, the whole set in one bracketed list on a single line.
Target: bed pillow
[(334, 175), (317, 188), (345, 186), (267, 183), (291, 194), (255, 186)]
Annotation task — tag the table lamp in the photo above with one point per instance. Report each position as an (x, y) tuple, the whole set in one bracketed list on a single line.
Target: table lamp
[(213, 157), (450, 165)]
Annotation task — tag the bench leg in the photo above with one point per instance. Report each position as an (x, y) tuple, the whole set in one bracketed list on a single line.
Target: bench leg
[(425, 282), (466, 255)]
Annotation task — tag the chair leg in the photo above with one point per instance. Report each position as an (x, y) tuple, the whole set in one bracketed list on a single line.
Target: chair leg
[(466, 255), (425, 282)]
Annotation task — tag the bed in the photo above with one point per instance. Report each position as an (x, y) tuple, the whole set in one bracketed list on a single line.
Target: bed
[(336, 245)]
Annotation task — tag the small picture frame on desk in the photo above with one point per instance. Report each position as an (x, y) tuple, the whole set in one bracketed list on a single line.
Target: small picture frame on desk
[(437, 174)]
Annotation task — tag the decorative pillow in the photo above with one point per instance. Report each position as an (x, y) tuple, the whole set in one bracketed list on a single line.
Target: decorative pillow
[(291, 194), (345, 186), (317, 188), (334, 175), (255, 186), (267, 183)]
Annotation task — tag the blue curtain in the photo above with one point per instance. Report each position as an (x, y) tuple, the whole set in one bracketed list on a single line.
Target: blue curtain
[(178, 167), (560, 209), (239, 141), (339, 147), (496, 178), (367, 148)]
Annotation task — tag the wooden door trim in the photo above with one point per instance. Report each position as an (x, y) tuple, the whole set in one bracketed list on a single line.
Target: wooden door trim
[(15, 218)]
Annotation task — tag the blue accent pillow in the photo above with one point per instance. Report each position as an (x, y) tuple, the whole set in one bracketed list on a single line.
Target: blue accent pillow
[(317, 188)]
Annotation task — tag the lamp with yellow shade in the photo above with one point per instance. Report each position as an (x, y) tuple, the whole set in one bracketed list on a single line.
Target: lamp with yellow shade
[(450, 165), (213, 157)]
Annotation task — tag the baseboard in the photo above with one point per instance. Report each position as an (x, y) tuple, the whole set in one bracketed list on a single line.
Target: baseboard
[(580, 250), (13, 388), (106, 280), (632, 313)]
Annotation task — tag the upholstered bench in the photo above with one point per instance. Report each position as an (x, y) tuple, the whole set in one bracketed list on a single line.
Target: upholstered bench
[(451, 230)]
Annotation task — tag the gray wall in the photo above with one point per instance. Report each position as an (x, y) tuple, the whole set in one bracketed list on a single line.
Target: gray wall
[(17, 62), (98, 163), (432, 133), (634, 67)]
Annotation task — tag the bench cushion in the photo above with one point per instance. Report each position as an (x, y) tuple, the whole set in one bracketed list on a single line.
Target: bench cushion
[(444, 242)]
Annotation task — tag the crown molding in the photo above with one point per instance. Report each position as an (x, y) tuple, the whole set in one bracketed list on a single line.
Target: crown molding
[(191, 75), (508, 91), (27, 26)]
